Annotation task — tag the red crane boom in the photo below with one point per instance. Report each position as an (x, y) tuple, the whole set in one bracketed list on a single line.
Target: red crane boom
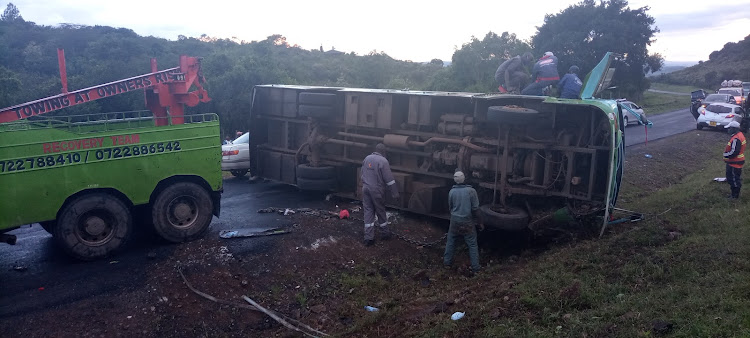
[(166, 92)]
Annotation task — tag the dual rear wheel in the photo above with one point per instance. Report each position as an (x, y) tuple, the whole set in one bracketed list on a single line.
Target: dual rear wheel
[(99, 224)]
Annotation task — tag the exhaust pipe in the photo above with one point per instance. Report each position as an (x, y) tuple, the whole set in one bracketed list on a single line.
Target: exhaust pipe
[(10, 239)]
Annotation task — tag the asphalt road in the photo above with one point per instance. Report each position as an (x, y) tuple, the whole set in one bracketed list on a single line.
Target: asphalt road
[(666, 124), (64, 280)]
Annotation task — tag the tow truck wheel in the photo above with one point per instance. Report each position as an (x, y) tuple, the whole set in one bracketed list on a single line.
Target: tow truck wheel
[(182, 212), (93, 226)]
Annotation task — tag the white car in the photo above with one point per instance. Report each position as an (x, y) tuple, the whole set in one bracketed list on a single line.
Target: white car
[(235, 156), (629, 112), (719, 115)]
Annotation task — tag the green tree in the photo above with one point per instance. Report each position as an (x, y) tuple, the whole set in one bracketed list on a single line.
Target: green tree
[(11, 13), (582, 33)]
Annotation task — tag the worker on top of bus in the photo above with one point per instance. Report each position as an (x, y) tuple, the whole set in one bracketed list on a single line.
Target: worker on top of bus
[(512, 75), (376, 177), (734, 156), (544, 73), (570, 85)]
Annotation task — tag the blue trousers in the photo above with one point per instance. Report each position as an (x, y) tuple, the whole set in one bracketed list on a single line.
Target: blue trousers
[(471, 242)]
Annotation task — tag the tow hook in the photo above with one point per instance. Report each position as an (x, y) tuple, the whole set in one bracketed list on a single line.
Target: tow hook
[(10, 239)]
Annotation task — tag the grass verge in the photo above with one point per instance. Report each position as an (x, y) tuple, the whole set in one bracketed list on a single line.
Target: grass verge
[(673, 88), (660, 103)]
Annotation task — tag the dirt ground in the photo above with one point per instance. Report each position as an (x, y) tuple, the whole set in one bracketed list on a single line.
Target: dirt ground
[(321, 275)]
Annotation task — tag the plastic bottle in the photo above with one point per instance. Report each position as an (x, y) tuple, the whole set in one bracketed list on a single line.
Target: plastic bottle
[(371, 309)]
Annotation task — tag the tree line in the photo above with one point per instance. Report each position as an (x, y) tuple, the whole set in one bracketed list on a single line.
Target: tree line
[(579, 35)]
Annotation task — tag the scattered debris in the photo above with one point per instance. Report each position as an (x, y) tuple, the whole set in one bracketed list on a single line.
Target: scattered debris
[(648, 156), (457, 315), (371, 309), (720, 179), (267, 210), (344, 214), (224, 255), (288, 212), (251, 233), (20, 268), (322, 242), (356, 208), (114, 262)]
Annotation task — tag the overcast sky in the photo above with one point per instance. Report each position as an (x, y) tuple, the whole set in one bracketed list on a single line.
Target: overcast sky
[(404, 29)]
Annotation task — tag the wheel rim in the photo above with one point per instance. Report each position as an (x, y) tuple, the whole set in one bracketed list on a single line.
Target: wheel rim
[(95, 227), (182, 212)]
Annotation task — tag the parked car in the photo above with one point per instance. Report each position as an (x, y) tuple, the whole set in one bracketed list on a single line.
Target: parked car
[(235, 157), (696, 100), (718, 115), (734, 91), (631, 112), (718, 98)]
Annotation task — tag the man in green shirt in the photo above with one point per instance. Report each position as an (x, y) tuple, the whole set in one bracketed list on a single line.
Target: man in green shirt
[(463, 202)]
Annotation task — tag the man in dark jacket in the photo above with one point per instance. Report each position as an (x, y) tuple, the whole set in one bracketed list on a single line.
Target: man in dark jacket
[(463, 203), (376, 176), (734, 156), (512, 74), (544, 73), (570, 85)]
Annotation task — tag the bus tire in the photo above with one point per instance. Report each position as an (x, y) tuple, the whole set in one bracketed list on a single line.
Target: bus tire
[(315, 173), (507, 218), (93, 226), (182, 212), (316, 185)]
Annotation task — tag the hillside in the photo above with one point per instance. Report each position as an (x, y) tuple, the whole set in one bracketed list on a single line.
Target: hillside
[(731, 62)]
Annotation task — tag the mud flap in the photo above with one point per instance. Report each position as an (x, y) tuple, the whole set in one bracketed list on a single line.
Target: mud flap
[(216, 198)]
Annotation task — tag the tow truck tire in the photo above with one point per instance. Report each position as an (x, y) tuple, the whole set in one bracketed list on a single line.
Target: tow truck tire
[(93, 226), (509, 218), (316, 185), (182, 212), (511, 114), (317, 99), (238, 173), (315, 173), (316, 112)]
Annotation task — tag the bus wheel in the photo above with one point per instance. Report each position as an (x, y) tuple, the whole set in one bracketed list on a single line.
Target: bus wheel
[(182, 212), (93, 226)]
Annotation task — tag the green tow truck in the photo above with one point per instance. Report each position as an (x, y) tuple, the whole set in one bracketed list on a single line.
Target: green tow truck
[(85, 178)]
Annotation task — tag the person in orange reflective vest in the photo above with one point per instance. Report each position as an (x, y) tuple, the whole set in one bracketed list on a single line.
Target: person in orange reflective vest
[(734, 156)]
